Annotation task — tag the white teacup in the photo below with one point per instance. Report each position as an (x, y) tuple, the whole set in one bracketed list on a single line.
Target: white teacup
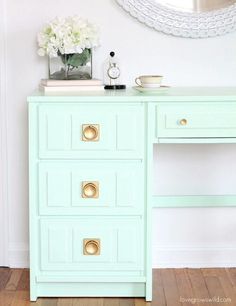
[(149, 81)]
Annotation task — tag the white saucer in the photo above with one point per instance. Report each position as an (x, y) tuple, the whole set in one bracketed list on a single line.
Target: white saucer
[(151, 89)]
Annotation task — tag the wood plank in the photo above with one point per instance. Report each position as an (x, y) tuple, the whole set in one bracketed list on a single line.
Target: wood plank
[(184, 286), (170, 287), (88, 302), (215, 289), (211, 271), (226, 284), (141, 302), (232, 275), (158, 295), (126, 302), (13, 282), (65, 302), (5, 274), (111, 302), (6, 297), (38, 302), (229, 290), (21, 298), (23, 283), (48, 302), (198, 286)]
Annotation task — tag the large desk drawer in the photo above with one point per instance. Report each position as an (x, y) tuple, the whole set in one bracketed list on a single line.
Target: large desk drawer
[(90, 244), (91, 131), (91, 188), (199, 120)]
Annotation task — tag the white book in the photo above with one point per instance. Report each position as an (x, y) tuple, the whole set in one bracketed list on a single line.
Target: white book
[(92, 82), (50, 89)]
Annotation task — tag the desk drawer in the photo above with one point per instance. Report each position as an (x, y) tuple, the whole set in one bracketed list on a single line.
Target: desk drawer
[(196, 120), (91, 131), (92, 244), (93, 188)]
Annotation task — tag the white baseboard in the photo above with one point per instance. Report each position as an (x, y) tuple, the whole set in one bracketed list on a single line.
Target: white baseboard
[(18, 256), (193, 257), (163, 256)]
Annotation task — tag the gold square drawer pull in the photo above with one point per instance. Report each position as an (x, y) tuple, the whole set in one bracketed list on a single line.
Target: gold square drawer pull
[(90, 190), (90, 132), (183, 122), (91, 246)]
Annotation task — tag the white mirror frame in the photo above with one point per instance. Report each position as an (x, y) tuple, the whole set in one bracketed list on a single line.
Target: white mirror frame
[(183, 24)]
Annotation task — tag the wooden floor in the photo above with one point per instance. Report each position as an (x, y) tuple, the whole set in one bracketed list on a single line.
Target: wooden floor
[(171, 287)]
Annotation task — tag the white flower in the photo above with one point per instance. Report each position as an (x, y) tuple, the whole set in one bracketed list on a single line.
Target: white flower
[(66, 36), (41, 52)]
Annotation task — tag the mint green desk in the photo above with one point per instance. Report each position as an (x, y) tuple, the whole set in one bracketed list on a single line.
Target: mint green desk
[(90, 159)]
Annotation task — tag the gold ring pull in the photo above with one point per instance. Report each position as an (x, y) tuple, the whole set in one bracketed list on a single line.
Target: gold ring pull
[(92, 246), (183, 122), (90, 132), (90, 190)]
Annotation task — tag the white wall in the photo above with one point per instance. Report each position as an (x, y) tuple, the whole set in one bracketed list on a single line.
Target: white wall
[(194, 237), (3, 144)]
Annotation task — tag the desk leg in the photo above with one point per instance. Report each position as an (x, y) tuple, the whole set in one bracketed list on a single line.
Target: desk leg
[(149, 183)]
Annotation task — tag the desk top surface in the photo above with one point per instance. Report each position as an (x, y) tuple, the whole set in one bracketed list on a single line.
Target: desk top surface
[(173, 94)]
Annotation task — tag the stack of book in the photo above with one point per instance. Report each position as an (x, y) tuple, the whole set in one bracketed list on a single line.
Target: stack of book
[(52, 86)]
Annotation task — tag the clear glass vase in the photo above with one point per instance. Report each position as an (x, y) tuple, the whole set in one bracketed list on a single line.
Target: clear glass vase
[(75, 66)]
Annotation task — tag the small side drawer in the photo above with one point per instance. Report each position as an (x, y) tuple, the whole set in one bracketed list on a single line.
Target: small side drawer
[(92, 244), (91, 188), (82, 131), (196, 120)]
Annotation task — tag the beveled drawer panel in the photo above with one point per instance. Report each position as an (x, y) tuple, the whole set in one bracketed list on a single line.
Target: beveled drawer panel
[(91, 131), (201, 120), (92, 244), (93, 187)]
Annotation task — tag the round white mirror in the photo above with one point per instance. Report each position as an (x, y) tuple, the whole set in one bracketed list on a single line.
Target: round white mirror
[(186, 18), (196, 5)]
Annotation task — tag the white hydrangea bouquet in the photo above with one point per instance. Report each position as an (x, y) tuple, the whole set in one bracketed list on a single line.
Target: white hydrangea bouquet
[(68, 42)]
